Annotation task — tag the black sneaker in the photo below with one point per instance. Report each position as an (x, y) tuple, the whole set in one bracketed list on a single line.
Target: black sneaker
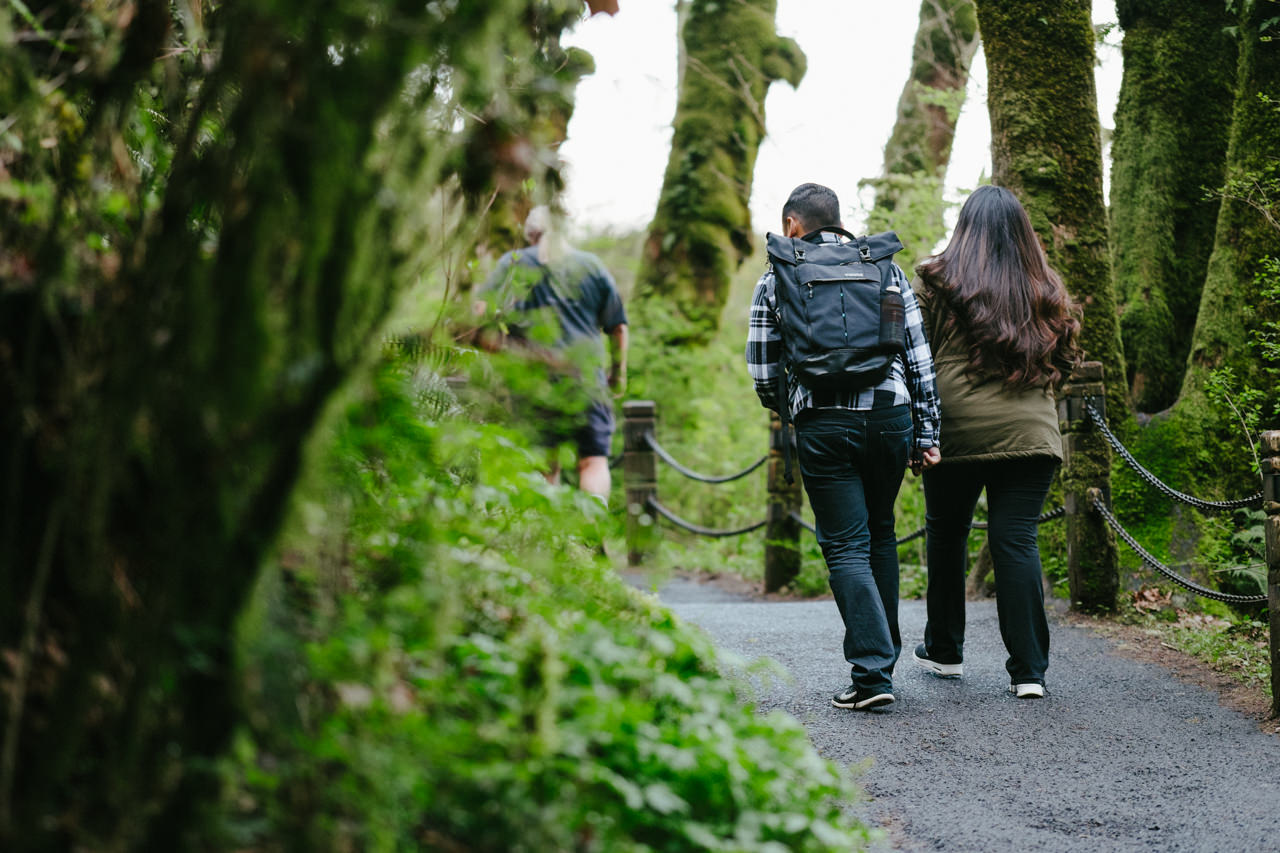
[(942, 670), (859, 699)]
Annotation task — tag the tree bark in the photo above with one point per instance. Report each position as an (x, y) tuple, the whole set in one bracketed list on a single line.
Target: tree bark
[(1045, 146), (701, 231), (170, 332), (909, 192), (1234, 307), (1172, 124), (509, 202)]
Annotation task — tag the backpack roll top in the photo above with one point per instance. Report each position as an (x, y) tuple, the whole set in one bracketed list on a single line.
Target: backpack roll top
[(880, 247), (839, 311)]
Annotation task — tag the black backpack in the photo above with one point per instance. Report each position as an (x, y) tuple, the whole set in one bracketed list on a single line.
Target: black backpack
[(839, 312)]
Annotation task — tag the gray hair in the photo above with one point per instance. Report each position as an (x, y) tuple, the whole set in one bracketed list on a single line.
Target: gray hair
[(538, 223)]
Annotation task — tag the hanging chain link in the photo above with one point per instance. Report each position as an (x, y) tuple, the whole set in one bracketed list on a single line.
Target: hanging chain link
[(1169, 573), (1057, 512), (666, 457), (1152, 479), (654, 504)]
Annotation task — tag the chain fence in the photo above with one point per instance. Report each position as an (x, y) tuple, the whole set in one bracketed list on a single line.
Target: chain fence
[(670, 515), (1099, 506), (683, 524), (666, 457), (1208, 506), (1056, 512)]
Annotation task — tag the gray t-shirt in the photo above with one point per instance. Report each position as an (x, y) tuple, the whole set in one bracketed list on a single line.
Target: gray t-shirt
[(563, 305)]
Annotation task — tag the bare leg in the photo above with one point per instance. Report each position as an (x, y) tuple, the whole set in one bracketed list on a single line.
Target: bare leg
[(593, 475)]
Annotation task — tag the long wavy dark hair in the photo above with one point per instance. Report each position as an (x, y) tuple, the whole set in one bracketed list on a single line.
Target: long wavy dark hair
[(1004, 299)]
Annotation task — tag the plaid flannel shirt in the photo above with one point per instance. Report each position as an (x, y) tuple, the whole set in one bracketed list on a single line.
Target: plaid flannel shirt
[(912, 382)]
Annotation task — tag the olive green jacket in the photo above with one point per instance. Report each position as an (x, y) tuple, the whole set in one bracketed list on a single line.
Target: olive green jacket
[(981, 420)]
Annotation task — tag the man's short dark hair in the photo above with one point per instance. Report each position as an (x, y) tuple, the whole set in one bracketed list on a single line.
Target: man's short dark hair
[(813, 205)]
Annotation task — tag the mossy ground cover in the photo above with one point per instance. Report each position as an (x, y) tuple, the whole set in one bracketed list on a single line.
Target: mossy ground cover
[(1231, 644)]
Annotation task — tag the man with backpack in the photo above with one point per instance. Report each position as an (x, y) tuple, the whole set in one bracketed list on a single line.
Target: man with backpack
[(836, 344), (554, 302)]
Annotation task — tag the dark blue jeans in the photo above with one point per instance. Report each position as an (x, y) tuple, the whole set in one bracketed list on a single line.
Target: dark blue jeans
[(1016, 490), (853, 464)]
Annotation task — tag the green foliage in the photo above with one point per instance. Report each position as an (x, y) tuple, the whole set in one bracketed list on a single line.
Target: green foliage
[(208, 210), (467, 674), (910, 205)]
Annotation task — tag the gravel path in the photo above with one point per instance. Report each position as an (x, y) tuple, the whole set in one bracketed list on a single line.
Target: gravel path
[(1121, 756)]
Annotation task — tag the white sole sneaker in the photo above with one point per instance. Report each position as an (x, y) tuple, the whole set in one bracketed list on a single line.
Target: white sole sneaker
[(942, 670), (857, 701), (1028, 690)]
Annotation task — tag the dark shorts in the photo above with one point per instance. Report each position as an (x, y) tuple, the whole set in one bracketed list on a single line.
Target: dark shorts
[(591, 430)]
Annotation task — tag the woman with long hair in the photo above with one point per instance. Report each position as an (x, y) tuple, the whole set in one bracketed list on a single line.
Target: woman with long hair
[(1003, 331)]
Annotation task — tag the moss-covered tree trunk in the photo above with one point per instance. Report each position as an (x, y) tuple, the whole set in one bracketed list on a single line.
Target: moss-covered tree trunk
[(701, 231), (1234, 307), (1046, 147), (909, 192), (201, 239), (682, 54), (1172, 124), (506, 199)]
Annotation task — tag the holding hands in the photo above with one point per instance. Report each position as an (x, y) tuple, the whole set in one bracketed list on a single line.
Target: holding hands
[(925, 460)]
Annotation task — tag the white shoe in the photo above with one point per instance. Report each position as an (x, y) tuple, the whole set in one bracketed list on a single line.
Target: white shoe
[(1027, 690)]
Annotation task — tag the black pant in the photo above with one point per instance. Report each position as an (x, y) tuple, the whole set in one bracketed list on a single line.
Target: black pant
[(1016, 490), (853, 464)]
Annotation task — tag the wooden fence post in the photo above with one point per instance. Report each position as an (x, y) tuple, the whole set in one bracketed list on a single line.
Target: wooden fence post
[(640, 477), (1092, 569), (782, 532), (1271, 506)]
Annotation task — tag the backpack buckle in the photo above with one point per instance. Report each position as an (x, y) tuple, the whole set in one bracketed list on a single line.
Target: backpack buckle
[(799, 254), (865, 252)]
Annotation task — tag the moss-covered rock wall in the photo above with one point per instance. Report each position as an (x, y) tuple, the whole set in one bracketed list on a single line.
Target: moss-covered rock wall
[(702, 231), (1170, 143)]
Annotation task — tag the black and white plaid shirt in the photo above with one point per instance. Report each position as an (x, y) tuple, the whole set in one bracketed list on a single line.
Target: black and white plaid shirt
[(912, 382)]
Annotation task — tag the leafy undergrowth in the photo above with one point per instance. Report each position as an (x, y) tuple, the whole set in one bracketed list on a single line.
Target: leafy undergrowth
[(1232, 644), (442, 661)]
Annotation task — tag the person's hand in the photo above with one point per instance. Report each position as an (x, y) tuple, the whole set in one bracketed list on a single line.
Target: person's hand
[(926, 460), (618, 382)]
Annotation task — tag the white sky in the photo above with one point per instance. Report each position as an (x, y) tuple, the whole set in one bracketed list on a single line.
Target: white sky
[(859, 53)]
